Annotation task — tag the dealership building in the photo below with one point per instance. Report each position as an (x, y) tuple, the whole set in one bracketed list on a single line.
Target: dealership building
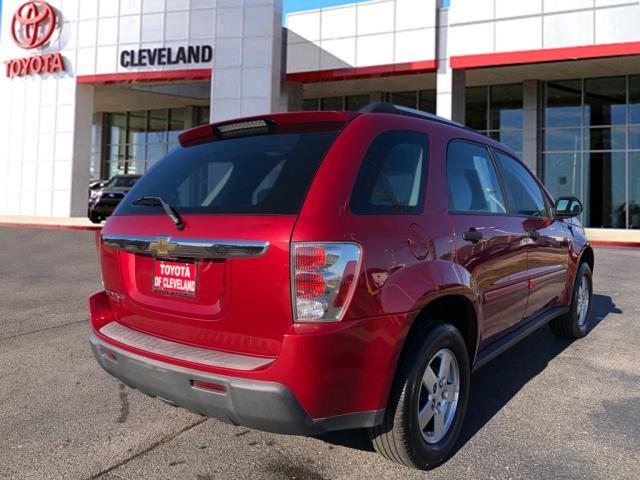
[(94, 88)]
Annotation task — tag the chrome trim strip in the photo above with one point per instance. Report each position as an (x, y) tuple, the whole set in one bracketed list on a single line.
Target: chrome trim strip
[(165, 246), (202, 356)]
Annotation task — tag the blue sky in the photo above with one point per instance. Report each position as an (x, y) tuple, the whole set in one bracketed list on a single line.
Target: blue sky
[(298, 5)]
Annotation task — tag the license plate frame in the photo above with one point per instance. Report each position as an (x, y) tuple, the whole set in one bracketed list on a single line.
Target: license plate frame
[(175, 278)]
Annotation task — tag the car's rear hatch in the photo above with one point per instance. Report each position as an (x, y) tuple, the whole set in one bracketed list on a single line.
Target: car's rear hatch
[(222, 282)]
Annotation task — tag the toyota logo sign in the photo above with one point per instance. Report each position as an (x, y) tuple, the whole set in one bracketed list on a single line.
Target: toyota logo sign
[(33, 24), (31, 27)]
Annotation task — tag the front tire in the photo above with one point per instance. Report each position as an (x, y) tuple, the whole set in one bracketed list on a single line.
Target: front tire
[(94, 217), (428, 401), (575, 323)]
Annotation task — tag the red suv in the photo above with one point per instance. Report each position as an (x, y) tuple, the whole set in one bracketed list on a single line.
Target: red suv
[(306, 272)]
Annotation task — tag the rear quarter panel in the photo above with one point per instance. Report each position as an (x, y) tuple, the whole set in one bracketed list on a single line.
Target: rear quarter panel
[(393, 279)]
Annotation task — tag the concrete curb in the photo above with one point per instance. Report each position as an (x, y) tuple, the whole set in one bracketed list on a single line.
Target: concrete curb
[(51, 226)]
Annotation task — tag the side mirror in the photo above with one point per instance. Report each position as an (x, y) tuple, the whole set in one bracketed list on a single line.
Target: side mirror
[(568, 207)]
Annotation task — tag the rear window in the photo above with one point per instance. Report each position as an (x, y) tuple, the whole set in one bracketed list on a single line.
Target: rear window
[(267, 174)]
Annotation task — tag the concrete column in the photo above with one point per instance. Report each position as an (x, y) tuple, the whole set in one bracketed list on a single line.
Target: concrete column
[(291, 96), (247, 68), (530, 124), (81, 161), (450, 84)]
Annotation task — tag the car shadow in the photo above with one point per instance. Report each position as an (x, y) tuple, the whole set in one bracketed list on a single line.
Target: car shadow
[(493, 386)]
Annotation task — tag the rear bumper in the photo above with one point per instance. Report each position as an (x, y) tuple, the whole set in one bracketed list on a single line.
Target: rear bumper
[(262, 405)]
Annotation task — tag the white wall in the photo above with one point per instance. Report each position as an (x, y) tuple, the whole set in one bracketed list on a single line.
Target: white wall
[(45, 127), (493, 26), (380, 32), (247, 59)]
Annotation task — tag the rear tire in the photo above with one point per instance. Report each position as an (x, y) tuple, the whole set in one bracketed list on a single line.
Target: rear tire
[(575, 323), (428, 401)]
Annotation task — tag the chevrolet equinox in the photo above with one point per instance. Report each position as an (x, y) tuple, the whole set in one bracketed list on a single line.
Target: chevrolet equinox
[(306, 272)]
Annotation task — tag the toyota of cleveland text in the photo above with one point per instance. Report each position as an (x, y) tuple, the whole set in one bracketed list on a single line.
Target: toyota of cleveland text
[(301, 273)]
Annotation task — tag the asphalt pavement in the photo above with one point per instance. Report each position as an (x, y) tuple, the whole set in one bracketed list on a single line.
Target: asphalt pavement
[(547, 408)]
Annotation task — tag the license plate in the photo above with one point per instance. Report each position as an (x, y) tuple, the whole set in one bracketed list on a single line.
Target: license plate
[(174, 278)]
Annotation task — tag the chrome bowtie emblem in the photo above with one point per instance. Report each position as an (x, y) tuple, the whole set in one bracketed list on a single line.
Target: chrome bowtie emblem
[(162, 246)]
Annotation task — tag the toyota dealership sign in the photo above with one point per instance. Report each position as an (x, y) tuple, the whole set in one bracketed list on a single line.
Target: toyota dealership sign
[(32, 27)]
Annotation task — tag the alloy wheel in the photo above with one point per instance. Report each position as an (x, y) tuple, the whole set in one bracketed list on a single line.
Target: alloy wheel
[(438, 399), (582, 303)]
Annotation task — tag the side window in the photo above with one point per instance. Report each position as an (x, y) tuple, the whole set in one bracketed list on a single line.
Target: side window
[(525, 196), (392, 176), (472, 180)]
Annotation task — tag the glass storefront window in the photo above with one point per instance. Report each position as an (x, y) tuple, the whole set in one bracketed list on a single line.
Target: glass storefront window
[(511, 138), (606, 138), (331, 103), (600, 146), (605, 175), (137, 127), (427, 101), (118, 130), (506, 107), (562, 139), (354, 103), (137, 158), (634, 190), (176, 124), (404, 99), (310, 104), (497, 112), (203, 115), (563, 104), (634, 138), (634, 99), (424, 100), (605, 101), (477, 106), (158, 121), (563, 174), (137, 139), (116, 155)]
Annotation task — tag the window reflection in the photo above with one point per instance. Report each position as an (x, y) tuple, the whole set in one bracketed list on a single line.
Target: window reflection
[(506, 107), (634, 190), (354, 103), (404, 99), (605, 101), (477, 106), (424, 100), (605, 174), (563, 104), (588, 140), (497, 112), (563, 174)]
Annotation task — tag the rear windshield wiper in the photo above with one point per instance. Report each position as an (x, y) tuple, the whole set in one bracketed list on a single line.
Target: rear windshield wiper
[(169, 210)]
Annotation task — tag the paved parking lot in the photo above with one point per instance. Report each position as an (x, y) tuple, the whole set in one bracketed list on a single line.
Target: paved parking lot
[(545, 409)]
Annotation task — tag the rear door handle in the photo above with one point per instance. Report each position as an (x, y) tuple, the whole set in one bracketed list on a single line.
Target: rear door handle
[(533, 234), (472, 235)]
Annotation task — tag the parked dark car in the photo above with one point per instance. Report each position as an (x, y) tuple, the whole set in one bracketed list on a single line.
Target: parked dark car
[(104, 197), (307, 272)]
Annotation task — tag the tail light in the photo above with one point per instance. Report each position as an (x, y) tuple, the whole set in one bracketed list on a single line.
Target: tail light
[(324, 277)]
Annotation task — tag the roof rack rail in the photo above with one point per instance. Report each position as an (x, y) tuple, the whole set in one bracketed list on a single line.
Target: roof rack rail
[(385, 107)]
